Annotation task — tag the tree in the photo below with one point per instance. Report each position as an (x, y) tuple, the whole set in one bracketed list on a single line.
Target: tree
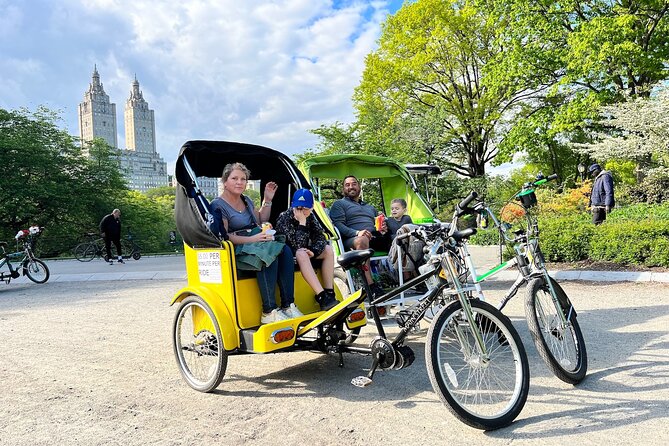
[(596, 52), (46, 179), (637, 130), (440, 84)]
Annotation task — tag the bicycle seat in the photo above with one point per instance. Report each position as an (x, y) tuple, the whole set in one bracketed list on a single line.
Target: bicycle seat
[(355, 259)]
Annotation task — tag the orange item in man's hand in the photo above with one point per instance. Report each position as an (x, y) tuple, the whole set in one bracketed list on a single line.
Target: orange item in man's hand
[(378, 222)]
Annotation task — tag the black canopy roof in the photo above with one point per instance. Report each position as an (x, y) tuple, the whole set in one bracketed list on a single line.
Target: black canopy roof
[(208, 158)]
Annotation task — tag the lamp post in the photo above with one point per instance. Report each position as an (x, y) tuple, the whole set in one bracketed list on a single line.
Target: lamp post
[(581, 171)]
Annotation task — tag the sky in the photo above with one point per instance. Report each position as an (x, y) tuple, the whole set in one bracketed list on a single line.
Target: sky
[(260, 72)]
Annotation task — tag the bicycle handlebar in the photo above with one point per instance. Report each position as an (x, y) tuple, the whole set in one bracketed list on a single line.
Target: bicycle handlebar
[(461, 208)]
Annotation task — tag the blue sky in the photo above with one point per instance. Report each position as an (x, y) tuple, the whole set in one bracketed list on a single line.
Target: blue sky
[(262, 72)]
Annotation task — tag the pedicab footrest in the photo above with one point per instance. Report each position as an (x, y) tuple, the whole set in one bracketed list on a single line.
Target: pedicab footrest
[(350, 302)]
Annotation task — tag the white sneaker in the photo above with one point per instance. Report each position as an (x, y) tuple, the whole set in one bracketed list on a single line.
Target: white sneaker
[(292, 311), (273, 316)]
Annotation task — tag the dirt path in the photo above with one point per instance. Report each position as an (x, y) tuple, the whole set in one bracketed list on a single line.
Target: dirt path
[(92, 364)]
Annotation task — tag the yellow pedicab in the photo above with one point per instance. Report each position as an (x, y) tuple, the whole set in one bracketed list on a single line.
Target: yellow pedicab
[(218, 312)]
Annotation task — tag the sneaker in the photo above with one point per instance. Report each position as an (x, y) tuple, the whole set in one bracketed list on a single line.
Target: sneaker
[(111, 263), (292, 311), (273, 316), (330, 301), (120, 261)]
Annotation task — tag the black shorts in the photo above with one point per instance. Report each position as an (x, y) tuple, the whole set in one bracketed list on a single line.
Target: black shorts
[(379, 242)]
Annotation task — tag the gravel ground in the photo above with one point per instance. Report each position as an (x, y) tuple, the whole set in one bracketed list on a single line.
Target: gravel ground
[(91, 363)]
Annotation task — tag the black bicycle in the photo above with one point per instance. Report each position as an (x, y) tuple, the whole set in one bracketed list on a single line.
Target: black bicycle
[(94, 247), (28, 265)]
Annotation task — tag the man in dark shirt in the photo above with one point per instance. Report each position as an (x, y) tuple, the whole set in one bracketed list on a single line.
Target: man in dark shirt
[(110, 229), (601, 197), (354, 220)]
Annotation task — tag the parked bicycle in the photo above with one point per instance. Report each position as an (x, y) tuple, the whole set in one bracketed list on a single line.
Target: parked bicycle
[(551, 317), (91, 248), (94, 247), (26, 262)]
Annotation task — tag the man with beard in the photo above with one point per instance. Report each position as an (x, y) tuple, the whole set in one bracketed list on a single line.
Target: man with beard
[(355, 221)]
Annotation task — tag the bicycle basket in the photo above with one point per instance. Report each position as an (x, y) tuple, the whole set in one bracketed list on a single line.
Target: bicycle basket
[(528, 198)]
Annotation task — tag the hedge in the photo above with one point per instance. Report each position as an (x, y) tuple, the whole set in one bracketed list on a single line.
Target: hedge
[(637, 236)]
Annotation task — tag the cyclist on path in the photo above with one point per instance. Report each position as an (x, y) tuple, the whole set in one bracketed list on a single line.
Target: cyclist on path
[(110, 229)]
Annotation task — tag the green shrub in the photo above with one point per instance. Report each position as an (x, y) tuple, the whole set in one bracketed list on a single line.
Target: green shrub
[(565, 239), (642, 242)]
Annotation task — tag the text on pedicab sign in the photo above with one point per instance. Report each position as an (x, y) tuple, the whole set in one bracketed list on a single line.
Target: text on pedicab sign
[(209, 267)]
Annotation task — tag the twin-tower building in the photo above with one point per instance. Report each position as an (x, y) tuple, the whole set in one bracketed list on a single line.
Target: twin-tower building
[(142, 166)]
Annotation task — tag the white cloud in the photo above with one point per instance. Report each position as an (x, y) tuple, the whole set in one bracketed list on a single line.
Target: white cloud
[(263, 72)]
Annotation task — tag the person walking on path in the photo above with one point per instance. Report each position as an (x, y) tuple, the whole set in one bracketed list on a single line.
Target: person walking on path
[(601, 196), (110, 229)]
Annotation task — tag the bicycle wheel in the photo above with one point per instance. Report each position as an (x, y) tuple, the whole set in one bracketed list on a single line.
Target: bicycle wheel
[(484, 391), (36, 270), (198, 345), (84, 252), (562, 347)]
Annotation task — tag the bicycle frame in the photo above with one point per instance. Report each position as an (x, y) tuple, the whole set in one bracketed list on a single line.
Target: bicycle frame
[(528, 257), (445, 272)]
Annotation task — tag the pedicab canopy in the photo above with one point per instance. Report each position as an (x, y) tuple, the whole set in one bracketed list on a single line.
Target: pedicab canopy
[(207, 159), (396, 182)]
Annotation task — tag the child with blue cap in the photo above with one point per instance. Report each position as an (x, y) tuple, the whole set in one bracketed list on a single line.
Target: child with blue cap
[(304, 236)]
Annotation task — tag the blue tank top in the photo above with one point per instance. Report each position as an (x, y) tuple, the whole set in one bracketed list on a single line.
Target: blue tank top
[(236, 219)]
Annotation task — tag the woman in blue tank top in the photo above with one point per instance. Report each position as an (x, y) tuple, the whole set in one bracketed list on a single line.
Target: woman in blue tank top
[(237, 214)]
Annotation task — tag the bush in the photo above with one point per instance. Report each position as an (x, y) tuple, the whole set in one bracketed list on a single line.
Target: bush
[(565, 239), (632, 242)]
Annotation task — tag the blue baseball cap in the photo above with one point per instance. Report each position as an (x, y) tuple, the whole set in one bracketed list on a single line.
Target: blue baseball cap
[(303, 198), (594, 167)]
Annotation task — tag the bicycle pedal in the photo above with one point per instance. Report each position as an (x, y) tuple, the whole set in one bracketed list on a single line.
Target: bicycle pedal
[(361, 381)]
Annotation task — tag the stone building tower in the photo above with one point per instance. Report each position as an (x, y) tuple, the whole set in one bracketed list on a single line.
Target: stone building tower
[(140, 125), (97, 116)]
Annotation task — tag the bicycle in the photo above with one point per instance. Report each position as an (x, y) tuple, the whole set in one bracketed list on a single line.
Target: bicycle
[(90, 249), (95, 248), (475, 359), (551, 317), (30, 266)]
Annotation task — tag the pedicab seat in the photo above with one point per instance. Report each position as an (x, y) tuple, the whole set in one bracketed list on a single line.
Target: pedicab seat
[(354, 259)]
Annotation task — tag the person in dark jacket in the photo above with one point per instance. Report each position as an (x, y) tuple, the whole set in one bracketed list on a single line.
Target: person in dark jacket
[(601, 197), (304, 236), (110, 229)]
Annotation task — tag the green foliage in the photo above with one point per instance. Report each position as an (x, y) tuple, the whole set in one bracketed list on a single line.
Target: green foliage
[(46, 179), (440, 85), (641, 242), (149, 220), (652, 189), (566, 239)]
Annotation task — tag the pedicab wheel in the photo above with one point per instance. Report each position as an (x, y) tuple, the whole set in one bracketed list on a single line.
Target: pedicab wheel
[(136, 255), (486, 391), (36, 270), (84, 252), (560, 345), (198, 346)]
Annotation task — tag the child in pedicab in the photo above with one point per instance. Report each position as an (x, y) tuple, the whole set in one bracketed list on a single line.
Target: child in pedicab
[(399, 218), (411, 248), (304, 236)]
